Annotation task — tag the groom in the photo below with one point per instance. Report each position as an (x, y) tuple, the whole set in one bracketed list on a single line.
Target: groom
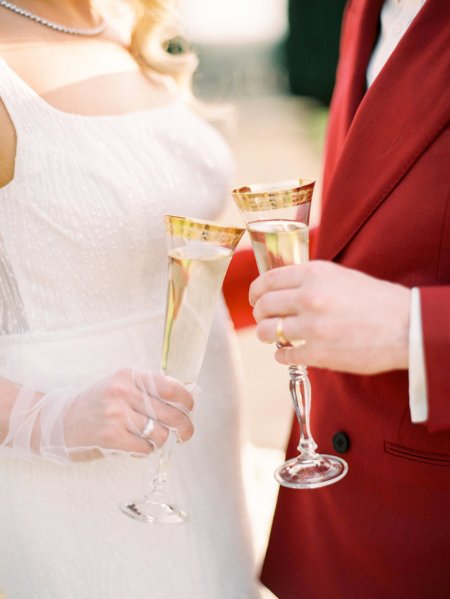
[(381, 393)]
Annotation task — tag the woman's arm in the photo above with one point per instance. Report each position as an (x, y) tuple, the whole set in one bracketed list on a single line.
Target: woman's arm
[(7, 146), (8, 395), (108, 417)]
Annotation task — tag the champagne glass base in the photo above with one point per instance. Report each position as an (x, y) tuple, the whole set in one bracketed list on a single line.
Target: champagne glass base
[(311, 473), (152, 512)]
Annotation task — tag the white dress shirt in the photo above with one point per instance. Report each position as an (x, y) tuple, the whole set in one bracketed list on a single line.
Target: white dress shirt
[(396, 17)]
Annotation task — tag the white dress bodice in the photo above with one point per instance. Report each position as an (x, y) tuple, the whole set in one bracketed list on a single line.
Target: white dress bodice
[(83, 274)]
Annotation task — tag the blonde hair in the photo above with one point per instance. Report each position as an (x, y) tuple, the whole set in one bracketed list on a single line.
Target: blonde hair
[(157, 24)]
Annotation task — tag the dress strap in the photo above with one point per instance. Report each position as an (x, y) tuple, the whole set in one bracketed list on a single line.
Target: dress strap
[(23, 104)]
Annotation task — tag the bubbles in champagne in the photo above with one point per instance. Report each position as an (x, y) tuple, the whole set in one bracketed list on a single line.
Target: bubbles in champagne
[(279, 243), (196, 274)]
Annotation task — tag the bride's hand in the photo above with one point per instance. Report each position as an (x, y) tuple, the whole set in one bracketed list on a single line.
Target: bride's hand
[(113, 414)]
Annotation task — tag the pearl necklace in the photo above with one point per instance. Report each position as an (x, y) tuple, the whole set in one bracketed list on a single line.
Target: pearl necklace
[(55, 26)]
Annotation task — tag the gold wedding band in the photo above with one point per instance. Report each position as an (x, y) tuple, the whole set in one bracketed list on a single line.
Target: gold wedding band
[(281, 338)]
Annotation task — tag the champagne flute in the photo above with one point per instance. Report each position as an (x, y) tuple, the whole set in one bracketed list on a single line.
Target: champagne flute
[(199, 254), (277, 219)]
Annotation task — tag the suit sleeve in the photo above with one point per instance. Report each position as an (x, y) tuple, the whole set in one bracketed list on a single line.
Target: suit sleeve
[(241, 272), (435, 302)]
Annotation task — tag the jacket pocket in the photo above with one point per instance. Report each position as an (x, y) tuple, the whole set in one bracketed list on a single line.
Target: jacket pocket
[(426, 457)]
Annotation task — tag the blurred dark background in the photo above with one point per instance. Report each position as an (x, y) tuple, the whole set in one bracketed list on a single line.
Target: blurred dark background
[(244, 51), (312, 45)]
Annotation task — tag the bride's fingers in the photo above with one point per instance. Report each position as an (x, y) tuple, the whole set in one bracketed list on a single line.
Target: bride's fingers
[(136, 445), (171, 408), (158, 430), (174, 418), (164, 387), (137, 405), (170, 390), (162, 397), (169, 415), (146, 430)]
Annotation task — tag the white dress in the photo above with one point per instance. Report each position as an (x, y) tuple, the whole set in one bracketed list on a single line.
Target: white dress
[(82, 293)]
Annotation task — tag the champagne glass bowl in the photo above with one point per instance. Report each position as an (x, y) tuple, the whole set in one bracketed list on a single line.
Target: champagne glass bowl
[(199, 253), (277, 220)]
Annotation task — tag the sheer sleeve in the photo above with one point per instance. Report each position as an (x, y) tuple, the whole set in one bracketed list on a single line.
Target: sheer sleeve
[(75, 424)]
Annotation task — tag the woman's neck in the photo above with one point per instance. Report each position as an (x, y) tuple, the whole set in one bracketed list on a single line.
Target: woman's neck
[(73, 13)]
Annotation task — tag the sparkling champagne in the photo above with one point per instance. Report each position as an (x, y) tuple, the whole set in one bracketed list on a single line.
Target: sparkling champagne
[(196, 275), (279, 243)]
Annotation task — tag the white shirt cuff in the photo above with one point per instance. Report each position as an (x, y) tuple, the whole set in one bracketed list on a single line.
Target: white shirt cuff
[(418, 402)]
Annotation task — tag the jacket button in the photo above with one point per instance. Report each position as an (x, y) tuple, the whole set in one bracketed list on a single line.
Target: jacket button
[(341, 442)]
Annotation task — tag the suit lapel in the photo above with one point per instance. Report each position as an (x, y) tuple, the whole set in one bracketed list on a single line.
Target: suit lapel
[(399, 116), (361, 25)]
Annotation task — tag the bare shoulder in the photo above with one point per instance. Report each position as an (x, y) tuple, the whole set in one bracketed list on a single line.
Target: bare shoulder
[(7, 139), (11, 38), (7, 146), (9, 35)]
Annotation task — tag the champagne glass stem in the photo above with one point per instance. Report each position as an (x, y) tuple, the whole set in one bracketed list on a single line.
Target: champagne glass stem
[(160, 488), (300, 389)]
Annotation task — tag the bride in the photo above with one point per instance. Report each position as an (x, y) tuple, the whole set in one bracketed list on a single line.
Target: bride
[(97, 143)]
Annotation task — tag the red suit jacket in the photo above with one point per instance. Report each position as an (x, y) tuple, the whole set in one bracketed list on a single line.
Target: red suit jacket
[(383, 532)]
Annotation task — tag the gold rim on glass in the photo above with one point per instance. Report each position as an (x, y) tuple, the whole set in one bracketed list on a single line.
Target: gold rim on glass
[(273, 196), (203, 230)]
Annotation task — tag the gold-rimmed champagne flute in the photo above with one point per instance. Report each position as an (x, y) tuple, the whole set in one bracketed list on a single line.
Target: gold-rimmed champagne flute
[(277, 219), (199, 253)]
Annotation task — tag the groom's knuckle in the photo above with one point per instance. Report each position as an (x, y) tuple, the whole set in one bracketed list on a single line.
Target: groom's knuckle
[(264, 304), (316, 269), (313, 299), (319, 330), (270, 278)]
